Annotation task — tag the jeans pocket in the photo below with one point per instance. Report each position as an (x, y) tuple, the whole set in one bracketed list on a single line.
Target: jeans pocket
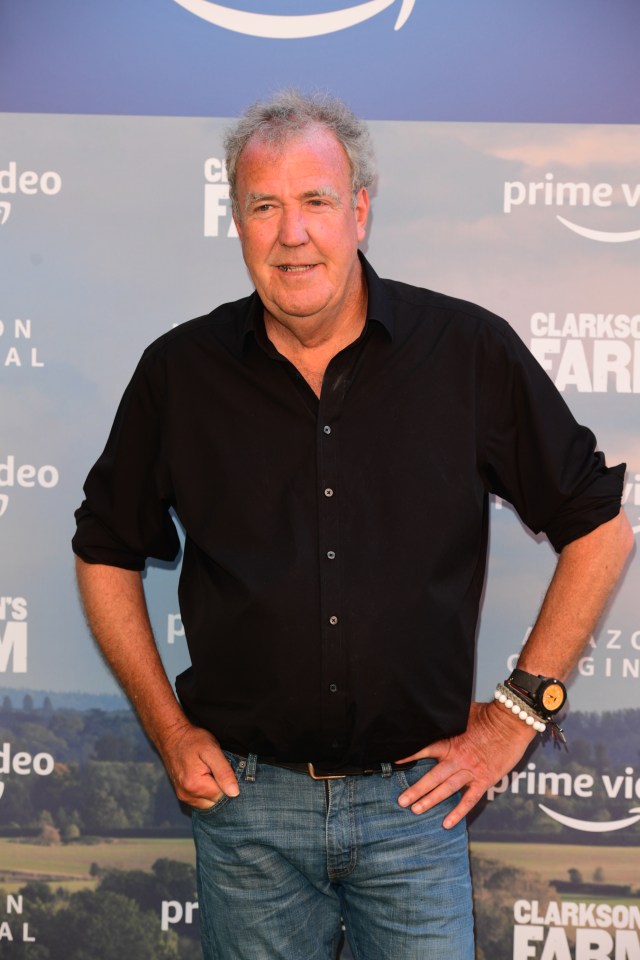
[(209, 811), (238, 765)]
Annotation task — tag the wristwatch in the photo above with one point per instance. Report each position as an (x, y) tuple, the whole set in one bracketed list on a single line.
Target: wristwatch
[(546, 695)]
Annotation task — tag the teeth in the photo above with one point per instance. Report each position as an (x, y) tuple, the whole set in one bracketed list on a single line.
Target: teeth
[(295, 269)]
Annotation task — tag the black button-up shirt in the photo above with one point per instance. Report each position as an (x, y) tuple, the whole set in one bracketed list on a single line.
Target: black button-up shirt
[(335, 547)]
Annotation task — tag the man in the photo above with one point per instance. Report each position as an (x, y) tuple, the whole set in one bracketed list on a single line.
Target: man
[(329, 444)]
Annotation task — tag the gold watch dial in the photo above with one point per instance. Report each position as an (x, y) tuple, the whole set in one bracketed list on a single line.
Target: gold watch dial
[(553, 697)]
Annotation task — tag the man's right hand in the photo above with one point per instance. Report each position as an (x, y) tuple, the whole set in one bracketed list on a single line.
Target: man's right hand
[(197, 767), (117, 613)]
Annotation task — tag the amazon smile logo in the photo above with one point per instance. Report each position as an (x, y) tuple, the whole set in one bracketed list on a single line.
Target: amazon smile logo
[(294, 26), (552, 193), (593, 826)]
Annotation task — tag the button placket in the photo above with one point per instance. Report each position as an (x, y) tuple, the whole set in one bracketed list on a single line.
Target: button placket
[(333, 654)]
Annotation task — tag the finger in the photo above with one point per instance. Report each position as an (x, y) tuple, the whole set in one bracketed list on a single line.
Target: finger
[(198, 789), (433, 751), (468, 801), (442, 792), (425, 785), (204, 776), (222, 772), (471, 795), (204, 803)]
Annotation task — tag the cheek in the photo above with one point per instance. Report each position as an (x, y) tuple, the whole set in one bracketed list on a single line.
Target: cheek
[(331, 242), (346, 235)]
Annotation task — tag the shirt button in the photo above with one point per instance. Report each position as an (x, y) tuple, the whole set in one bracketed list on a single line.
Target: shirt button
[(333, 687), (328, 492), (333, 621), (331, 554), (327, 430)]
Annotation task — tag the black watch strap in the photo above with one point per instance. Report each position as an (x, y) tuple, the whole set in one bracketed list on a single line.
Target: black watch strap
[(528, 682)]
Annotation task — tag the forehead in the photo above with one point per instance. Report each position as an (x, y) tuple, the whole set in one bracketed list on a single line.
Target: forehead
[(314, 153)]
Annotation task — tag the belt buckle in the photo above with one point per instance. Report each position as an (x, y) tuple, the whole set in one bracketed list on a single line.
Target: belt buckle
[(324, 776)]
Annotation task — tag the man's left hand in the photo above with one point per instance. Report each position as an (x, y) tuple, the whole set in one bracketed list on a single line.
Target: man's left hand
[(473, 761)]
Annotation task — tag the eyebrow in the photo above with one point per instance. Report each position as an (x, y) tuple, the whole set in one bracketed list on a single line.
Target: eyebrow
[(325, 191)]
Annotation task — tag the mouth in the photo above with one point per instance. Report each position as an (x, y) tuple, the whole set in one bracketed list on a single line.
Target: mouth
[(296, 267)]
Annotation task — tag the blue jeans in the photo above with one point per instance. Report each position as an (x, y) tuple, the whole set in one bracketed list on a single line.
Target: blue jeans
[(280, 865)]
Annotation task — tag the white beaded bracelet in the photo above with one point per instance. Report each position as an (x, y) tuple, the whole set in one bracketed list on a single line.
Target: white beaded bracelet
[(519, 708)]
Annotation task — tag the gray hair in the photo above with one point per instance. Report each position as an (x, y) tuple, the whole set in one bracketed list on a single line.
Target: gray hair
[(289, 114)]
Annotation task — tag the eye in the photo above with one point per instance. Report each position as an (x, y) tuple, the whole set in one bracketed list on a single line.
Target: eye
[(262, 211)]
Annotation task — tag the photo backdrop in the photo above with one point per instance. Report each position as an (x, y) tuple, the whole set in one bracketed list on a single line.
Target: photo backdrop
[(508, 143)]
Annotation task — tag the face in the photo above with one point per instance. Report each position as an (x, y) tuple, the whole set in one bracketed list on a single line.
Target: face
[(299, 230)]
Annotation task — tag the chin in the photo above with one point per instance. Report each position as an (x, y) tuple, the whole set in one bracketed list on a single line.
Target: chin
[(300, 309)]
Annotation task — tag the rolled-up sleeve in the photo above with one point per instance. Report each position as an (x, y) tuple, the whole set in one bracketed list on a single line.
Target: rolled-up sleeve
[(534, 454), (124, 518)]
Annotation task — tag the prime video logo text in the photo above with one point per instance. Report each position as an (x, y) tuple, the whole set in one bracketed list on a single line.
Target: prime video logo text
[(293, 26), (551, 193)]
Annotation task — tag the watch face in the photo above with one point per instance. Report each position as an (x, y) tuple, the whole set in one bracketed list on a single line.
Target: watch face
[(553, 697)]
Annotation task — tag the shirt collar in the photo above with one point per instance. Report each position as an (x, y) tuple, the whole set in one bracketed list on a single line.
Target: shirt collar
[(379, 310), (378, 303)]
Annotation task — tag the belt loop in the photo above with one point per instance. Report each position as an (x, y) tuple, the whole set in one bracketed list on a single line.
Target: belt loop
[(250, 774), (386, 769)]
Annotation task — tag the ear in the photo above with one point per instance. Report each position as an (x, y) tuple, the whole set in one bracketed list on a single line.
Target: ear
[(361, 211)]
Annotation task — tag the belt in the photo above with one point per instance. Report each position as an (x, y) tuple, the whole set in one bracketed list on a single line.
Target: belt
[(310, 769)]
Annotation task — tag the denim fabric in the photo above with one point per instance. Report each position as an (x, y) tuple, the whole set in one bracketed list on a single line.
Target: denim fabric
[(280, 865)]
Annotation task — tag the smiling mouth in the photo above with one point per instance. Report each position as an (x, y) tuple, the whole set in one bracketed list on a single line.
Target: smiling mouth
[(295, 268)]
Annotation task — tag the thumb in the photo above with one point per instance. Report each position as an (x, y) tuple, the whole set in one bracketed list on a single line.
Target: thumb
[(222, 772), (434, 751)]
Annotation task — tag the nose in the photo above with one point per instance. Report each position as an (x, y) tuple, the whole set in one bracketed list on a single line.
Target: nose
[(293, 230)]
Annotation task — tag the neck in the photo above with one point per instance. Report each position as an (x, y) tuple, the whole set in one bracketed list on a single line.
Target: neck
[(309, 346)]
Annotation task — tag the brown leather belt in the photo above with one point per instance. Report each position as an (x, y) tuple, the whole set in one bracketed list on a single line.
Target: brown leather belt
[(310, 769)]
